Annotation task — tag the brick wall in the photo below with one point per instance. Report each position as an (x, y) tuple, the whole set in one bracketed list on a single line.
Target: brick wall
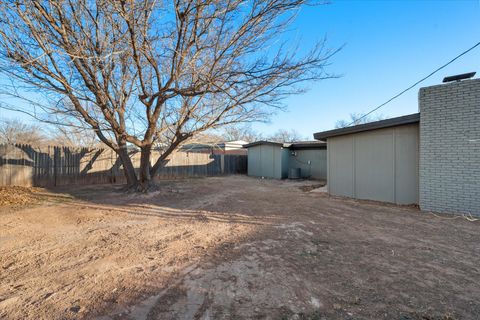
[(450, 147)]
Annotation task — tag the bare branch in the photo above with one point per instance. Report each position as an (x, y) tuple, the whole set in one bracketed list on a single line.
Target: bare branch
[(149, 72)]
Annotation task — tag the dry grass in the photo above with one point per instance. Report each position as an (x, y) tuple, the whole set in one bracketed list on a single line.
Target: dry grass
[(14, 196)]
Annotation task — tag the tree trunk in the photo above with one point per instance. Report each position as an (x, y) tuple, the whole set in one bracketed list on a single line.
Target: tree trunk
[(160, 163), (128, 169), (142, 182), (145, 177), (162, 160)]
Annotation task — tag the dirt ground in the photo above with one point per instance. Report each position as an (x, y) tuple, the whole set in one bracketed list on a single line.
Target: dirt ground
[(15, 196), (233, 248)]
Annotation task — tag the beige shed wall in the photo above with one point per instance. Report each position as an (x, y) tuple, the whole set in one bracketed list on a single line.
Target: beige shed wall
[(378, 165)]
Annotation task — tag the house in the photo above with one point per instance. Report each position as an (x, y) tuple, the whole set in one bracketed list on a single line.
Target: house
[(305, 159), (431, 158)]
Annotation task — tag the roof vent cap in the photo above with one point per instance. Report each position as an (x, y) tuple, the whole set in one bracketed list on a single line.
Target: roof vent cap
[(459, 77)]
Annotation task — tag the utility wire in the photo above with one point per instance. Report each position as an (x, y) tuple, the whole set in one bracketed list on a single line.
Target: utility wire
[(413, 85)]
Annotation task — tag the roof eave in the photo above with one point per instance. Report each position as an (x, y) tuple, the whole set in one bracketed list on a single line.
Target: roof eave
[(321, 145), (392, 122), (257, 143)]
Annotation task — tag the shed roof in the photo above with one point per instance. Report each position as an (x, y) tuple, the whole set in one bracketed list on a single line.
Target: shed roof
[(392, 122), (315, 144), (257, 143)]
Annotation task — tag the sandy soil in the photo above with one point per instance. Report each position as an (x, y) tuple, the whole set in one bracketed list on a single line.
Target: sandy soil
[(233, 248)]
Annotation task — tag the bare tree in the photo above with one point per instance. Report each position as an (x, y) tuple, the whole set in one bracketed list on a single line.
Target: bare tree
[(15, 131), (152, 72), (240, 132), (207, 138), (284, 135), (356, 119), (69, 136)]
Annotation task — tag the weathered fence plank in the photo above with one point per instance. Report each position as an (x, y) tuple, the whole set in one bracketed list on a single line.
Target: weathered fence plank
[(25, 165)]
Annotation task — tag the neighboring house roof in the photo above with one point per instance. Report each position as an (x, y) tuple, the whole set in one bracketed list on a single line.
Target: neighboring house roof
[(392, 122), (290, 145), (237, 144), (233, 144)]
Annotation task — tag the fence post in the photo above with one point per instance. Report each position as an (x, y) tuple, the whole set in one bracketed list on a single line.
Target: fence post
[(222, 163), (9, 168), (55, 166)]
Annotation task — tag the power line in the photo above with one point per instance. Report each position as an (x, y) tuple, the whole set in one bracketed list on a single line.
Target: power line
[(413, 85)]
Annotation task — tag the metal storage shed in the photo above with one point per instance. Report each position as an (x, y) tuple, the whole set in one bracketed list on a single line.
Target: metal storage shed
[(376, 161), (274, 159), (267, 159)]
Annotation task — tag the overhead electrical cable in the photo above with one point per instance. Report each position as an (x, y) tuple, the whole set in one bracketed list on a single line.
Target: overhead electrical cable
[(416, 83)]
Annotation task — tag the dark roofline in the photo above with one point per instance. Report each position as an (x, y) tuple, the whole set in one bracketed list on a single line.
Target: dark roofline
[(309, 145), (257, 143), (392, 122)]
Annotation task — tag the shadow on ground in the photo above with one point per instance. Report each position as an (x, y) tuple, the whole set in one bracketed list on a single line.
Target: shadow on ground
[(237, 248)]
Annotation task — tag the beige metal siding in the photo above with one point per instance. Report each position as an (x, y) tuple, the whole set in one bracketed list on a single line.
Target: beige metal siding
[(374, 167), (266, 161), (274, 161), (377, 165), (406, 163), (340, 166), (285, 163), (316, 169), (254, 161)]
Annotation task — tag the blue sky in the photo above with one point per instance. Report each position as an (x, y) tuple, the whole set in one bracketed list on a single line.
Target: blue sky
[(389, 45)]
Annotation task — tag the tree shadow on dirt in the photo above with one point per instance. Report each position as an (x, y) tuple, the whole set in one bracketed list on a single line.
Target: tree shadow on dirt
[(335, 258), (174, 199)]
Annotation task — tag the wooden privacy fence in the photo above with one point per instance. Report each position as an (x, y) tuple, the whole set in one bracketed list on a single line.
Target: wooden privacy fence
[(25, 165)]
